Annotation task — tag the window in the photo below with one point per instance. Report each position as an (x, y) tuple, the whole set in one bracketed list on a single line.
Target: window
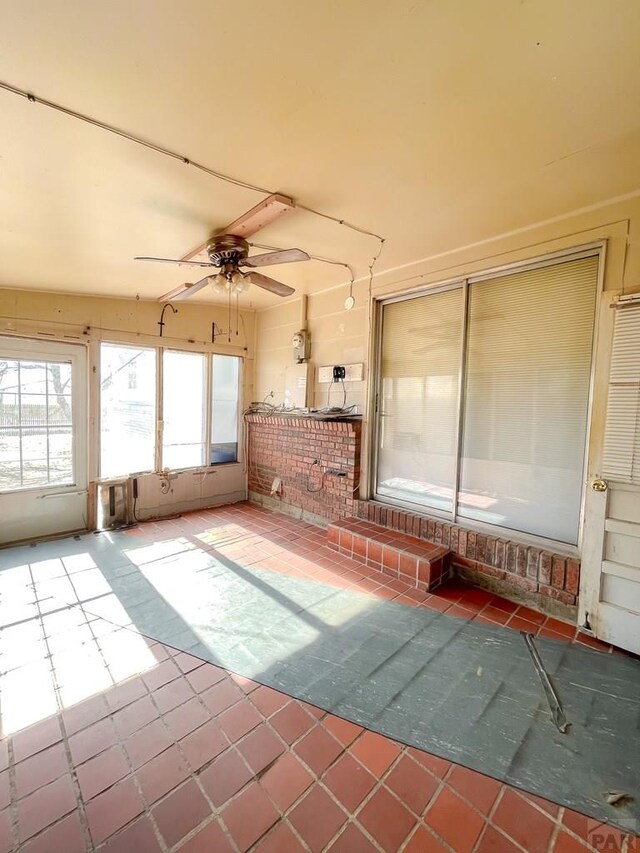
[(224, 409), (36, 431), (199, 409), (418, 400), (183, 401), (483, 398), (128, 409)]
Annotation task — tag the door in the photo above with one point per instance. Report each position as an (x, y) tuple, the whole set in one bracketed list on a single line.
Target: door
[(43, 439), (610, 586)]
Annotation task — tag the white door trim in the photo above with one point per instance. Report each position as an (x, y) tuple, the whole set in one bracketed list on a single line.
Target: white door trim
[(595, 503)]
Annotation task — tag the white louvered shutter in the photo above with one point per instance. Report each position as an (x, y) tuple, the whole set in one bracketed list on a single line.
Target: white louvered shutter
[(621, 460)]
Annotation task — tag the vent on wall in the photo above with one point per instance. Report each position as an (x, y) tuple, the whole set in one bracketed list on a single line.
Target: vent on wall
[(113, 504)]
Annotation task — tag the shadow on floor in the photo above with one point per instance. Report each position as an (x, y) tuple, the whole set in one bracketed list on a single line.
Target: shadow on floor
[(461, 690)]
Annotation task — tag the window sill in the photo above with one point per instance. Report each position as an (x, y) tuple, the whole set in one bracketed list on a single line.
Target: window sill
[(60, 489)]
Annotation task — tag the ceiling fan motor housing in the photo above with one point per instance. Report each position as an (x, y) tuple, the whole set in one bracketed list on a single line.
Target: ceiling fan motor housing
[(227, 253), (227, 249)]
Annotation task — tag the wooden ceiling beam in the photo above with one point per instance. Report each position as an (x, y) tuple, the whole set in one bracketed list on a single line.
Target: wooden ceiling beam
[(263, 214)]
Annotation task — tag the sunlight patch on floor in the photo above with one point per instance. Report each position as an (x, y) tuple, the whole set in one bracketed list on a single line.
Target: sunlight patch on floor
[(211, 596), (54, 652)]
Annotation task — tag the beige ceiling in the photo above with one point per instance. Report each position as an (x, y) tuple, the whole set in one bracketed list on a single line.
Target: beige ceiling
[(435, 124)]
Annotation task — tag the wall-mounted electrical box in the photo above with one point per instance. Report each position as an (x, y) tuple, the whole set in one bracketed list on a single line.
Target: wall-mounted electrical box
[(352, 372), (301, 343), (297, 382)]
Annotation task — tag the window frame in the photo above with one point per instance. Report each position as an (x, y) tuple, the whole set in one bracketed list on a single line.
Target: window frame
[(594, 249), (159, 398), (27, 349)]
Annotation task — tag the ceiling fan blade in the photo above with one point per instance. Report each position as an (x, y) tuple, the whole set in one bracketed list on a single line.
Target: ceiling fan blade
[(175, 261), (285, 256), (184, 291), (270, 284)]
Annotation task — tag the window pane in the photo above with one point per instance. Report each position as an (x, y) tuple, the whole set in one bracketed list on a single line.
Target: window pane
[(59, 379), (224, 409), (61, 454), (33, 410), (59, 393), (527, 387), (421, 341), (33, 377), (36, 441), (34, 445), (34, 472), (128, 410), (183, 443), (9, 458)]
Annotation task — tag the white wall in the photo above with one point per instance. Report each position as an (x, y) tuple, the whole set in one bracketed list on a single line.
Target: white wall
[(337, 337)]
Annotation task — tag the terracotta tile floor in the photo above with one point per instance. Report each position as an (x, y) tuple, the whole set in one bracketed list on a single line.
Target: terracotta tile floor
[(282, 544), (187, 756)]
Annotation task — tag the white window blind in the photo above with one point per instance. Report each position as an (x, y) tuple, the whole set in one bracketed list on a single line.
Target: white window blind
[(528, 367), (418, 399), (621, 459)]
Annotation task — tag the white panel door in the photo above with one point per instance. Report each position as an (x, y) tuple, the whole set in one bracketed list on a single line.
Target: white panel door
[(610, 587), (43, 438)]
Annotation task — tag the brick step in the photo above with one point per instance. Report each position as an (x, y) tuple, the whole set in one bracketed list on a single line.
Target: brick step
[(423, 564)]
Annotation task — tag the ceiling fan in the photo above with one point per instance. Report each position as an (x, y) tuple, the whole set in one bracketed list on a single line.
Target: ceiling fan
[(228, 250)]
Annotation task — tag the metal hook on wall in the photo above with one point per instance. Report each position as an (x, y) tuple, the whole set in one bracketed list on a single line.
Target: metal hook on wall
[(161, 320)]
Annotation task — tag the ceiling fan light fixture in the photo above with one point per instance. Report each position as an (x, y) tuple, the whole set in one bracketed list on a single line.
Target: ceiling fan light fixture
[(238, 282), (218, 283)]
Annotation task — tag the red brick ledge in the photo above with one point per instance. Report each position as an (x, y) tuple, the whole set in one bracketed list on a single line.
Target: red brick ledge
[(530, 569), (349, 426), (422, 564)]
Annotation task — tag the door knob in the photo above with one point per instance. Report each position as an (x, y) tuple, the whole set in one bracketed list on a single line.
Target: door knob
[(599, 485)]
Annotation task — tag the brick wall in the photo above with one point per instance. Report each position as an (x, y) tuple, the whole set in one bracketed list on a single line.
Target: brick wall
[(286, 447), (530, 569)]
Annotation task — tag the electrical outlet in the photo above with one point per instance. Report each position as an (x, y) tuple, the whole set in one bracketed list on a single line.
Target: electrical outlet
[(276, 486), (353, 372)]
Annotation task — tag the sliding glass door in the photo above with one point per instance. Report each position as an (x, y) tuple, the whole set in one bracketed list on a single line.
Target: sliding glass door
[(418, 399), (483, 397), (526, 397)]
